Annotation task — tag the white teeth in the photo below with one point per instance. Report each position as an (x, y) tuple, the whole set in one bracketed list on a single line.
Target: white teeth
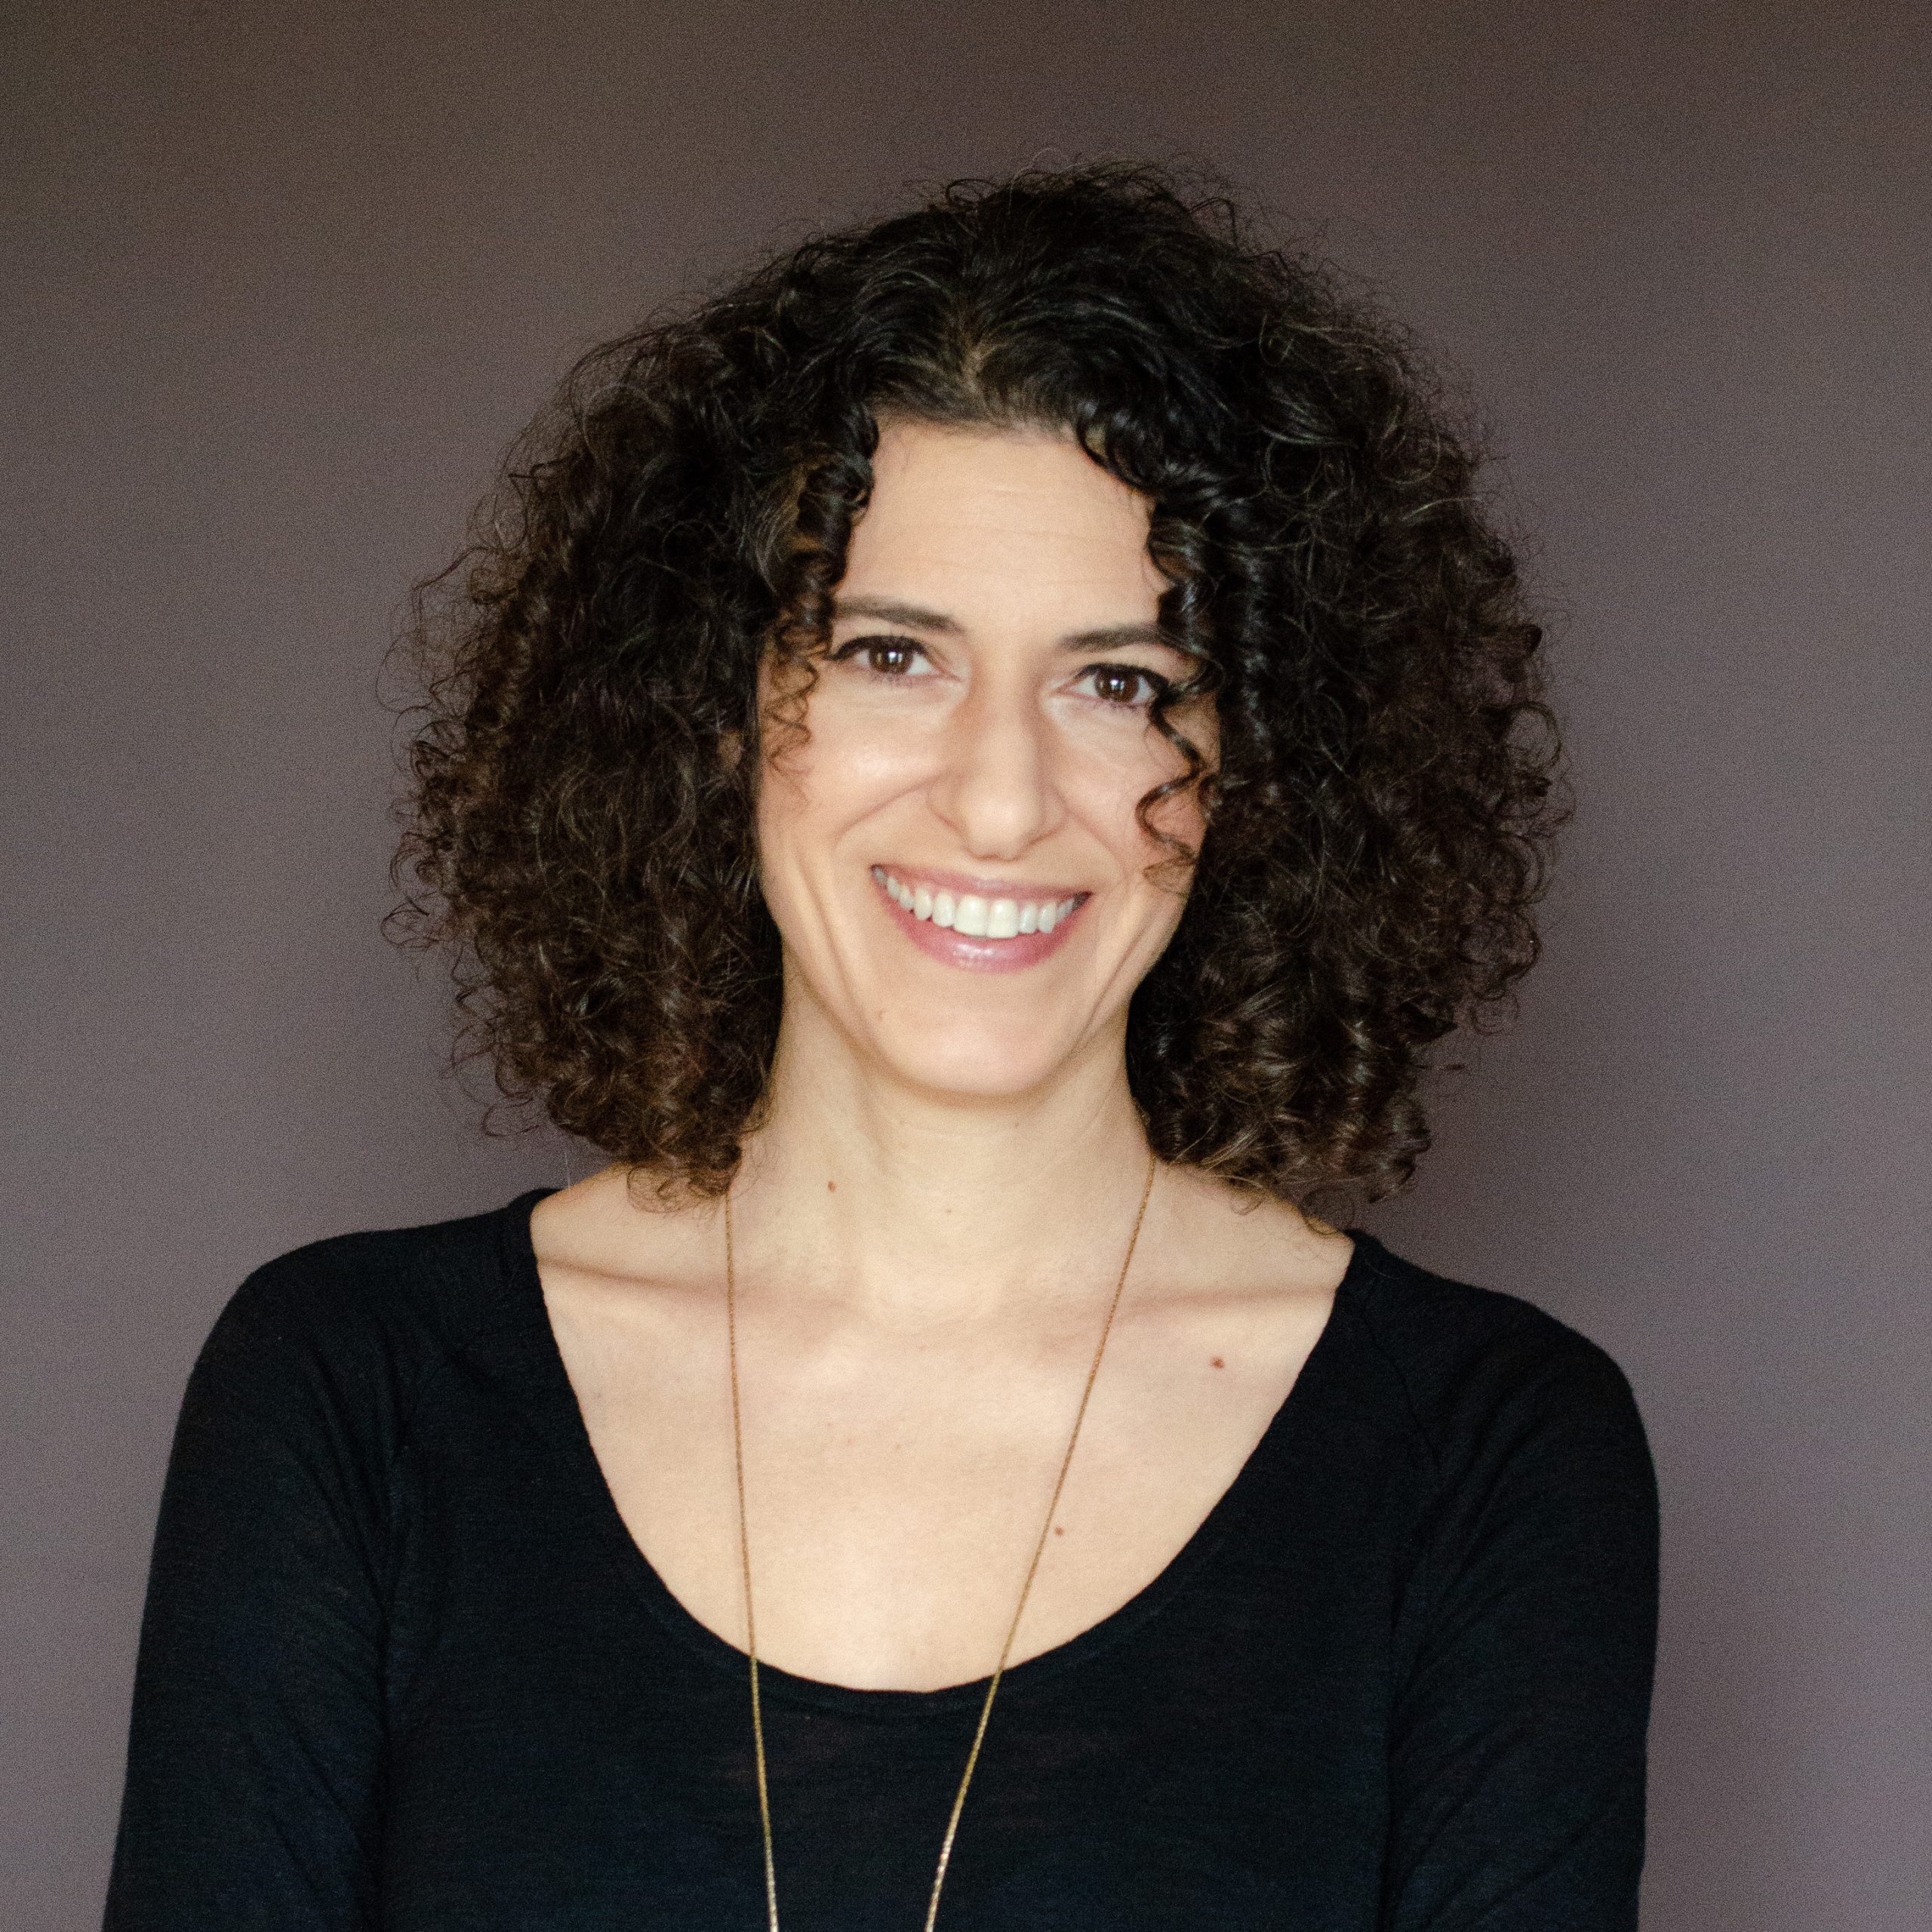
[(974, 917)]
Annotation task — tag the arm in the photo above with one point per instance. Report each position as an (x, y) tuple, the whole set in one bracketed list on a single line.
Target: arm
[(1518, 1742), (254, 1752)]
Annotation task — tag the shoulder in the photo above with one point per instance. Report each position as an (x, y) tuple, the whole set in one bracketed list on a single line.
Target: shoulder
[(1485, 1374), (362, 1318)]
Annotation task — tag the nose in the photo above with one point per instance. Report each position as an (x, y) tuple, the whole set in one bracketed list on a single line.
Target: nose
[(997, 787)]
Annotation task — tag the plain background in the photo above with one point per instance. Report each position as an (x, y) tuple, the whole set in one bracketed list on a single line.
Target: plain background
[(287, 279)]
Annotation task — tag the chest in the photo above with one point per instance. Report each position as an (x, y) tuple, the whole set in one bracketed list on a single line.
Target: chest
[(1219, 1762), (896, 1489), (572, 1748)]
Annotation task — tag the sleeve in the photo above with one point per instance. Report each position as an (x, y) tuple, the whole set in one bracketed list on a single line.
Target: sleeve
[(256, 1742), (1518, 1744)]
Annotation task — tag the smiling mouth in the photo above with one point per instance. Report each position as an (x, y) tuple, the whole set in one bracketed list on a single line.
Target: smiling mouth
[(973, 916)]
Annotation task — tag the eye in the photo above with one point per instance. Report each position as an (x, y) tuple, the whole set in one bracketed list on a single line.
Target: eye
[(884, 657), (1124, 686)]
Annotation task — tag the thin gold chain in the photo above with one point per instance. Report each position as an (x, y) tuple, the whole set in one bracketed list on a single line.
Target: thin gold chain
[(1018, 1609)]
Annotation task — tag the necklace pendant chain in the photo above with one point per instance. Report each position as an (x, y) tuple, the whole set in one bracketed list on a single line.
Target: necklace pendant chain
[(1018, 1609)]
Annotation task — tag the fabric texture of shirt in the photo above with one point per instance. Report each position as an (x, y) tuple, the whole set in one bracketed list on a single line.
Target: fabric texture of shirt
[(402, 1666)]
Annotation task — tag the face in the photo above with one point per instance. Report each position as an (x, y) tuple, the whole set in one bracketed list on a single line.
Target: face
[(953, 858)]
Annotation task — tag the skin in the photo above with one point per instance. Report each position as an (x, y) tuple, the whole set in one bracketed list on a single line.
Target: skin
[(930, 1224)]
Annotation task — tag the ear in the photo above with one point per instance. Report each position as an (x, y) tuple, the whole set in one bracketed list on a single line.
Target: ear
[(731, 749)]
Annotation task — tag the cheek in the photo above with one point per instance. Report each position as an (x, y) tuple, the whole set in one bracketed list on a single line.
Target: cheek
[(1113, 788), (814, 789), (859, 756)]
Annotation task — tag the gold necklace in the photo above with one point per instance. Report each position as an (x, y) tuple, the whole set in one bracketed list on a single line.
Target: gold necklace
[(1013, 1628)]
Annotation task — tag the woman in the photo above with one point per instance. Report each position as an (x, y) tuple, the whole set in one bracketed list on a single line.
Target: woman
[(976, 770)]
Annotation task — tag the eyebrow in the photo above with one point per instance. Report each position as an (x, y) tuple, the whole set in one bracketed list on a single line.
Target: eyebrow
[(889, 610)]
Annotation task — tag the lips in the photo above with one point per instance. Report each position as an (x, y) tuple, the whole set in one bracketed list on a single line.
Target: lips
[(985, 930)]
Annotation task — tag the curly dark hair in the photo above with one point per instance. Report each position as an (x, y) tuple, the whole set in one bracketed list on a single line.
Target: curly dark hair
[(581, 812)]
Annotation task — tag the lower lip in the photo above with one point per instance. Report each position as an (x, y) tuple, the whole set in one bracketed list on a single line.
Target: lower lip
[(978, 955)]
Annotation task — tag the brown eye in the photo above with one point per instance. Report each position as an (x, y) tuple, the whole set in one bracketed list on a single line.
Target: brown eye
[(1125, 685), (884, 657)]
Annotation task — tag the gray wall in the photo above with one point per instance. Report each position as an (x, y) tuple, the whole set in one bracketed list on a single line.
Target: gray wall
[(289, 276)]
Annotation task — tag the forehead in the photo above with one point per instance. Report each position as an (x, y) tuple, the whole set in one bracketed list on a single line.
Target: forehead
[(986, 522)]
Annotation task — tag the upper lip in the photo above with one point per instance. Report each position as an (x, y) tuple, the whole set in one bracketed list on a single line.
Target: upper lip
[(959, 883)]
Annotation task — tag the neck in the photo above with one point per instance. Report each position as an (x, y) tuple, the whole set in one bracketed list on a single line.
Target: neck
[(918, 1208)]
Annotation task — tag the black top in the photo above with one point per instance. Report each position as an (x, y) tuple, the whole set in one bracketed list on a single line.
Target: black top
[(403, 1666)]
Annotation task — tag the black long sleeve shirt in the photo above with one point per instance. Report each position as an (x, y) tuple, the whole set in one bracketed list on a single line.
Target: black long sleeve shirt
[(402, 1666)]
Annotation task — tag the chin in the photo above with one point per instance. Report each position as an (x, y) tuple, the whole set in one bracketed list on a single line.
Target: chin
[(982, 1061)]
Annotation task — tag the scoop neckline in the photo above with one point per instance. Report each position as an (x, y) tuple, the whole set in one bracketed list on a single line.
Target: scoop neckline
[(594, 1502)]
